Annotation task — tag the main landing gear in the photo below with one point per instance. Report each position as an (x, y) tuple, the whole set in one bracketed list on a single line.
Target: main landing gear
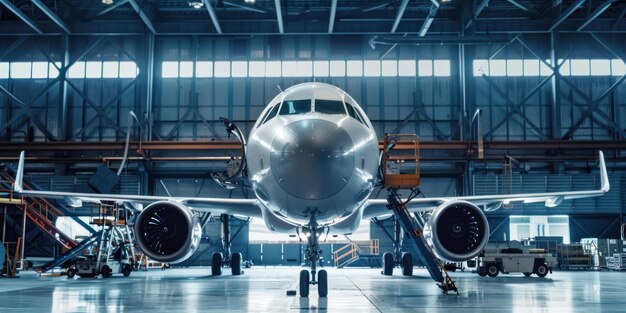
[(217, 262), (312, 253)]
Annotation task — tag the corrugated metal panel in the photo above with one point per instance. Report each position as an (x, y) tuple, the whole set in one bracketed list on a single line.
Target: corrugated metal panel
[(531, 183)]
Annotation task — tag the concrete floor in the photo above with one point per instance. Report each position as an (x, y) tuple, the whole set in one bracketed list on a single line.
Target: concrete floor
[(350, 290)]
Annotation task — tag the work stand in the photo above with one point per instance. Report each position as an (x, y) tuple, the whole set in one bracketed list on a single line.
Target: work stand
[(413, 225)]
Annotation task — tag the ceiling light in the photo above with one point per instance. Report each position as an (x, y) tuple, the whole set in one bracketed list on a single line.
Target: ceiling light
[(196, 4), (249, 1), (107, 1)]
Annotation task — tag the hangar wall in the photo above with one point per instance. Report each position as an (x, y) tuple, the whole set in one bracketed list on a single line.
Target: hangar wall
[(436, 108)]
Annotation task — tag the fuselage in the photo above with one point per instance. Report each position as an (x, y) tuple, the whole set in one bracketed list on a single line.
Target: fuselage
[(312, 152)]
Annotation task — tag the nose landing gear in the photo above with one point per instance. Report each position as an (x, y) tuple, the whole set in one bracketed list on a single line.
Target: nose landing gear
[(312, 253)]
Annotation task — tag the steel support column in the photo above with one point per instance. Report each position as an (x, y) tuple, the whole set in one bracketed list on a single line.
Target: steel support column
[(149, 81), (63, 131), (555, 92)]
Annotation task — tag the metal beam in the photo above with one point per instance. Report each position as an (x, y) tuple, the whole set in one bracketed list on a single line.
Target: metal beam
[(566, 14), (401, 10), (143, 16), (479, 9), (279, 16), (521, 6), (216, 23), (333, 12), (597, 12), (21, 15), (112, 7), (244, 7), (53, 16), (434, 8)]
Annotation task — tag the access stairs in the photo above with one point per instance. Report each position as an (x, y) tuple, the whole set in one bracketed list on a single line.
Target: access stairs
[(353, 252), (413, 225), (42, 212)]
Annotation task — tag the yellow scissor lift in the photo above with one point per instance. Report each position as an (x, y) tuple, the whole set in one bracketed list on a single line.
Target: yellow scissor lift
[(407, 152)]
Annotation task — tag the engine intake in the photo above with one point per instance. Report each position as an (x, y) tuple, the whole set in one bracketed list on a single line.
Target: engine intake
[(167, 232), (458, 231)]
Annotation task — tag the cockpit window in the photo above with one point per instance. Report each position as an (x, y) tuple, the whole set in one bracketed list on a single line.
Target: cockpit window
[(354, 113), (271, 113), (291, 107), (329, 106)]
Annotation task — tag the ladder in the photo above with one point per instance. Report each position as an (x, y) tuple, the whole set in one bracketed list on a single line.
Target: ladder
[(394, 180)]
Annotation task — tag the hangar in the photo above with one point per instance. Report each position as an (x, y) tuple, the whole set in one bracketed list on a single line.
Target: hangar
[(289, 155)]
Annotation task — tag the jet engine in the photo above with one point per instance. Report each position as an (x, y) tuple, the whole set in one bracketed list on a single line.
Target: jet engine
[(458, 231), (167, 232)]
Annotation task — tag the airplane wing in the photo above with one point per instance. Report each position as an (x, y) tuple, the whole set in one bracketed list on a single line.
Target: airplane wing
[(378, 207), (247, 207)]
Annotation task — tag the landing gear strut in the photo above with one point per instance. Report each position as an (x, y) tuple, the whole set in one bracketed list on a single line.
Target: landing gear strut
[(312, 231), (218, 259)]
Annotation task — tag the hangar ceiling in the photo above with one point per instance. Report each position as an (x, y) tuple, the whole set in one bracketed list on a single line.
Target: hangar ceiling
[(239, 17)]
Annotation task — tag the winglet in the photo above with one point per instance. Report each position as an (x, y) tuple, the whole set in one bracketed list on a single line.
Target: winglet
[(604, 177), (19, 177)]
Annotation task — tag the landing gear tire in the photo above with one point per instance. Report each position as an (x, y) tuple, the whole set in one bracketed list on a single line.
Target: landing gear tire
[(322, 283), (105, 271), (235, 264), (492, 270), (407, 264), (481, 272), (216, 264), (388, 264), (304, 283), (71, 272), (126, 269), (542, 270), (527, 274)]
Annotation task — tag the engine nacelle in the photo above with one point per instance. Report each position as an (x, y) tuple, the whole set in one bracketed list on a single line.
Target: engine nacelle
[(167, 232), (458, 231)]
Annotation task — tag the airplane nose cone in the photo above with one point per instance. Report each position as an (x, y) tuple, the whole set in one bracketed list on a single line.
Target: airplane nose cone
[(312, 159)]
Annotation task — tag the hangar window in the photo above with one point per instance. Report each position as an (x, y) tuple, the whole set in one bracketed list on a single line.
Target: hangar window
[(291, 107), (257, 69), (514, 68), (425, 68), (77, 70), (618, 68), (128, 70), (110, 69), (354, 68), (4, 70), (600, 67), (185, 69), (222, 69), (40, 69), (531, 67), (406, 68), (389, 68), (290, 69), (239, 69), (20, 69), (337, 68), (272, 69), (204, 69), (305, 68), (371, 68), (53, 69), (329, 106), (169, 69), (442, 68), (93, 70), (580, 67), (320, 69)]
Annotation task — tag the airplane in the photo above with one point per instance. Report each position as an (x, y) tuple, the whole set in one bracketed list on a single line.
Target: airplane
[(312, 160)]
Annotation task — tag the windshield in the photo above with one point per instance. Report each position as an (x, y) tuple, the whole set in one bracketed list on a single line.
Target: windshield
[(291, 107), (329, 106)]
